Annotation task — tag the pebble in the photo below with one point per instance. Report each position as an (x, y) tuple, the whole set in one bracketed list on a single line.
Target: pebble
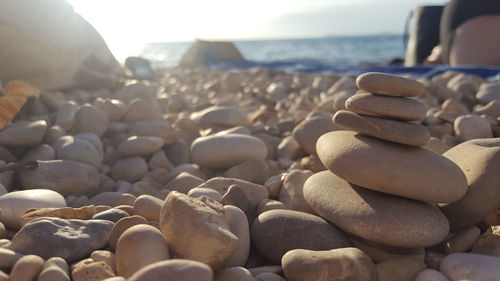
[(234, 273), (139, 146), (129, 169), (236, 197), (375, 216), (291, 193), (65, 115), (462, 241), (83, 213), (148, 207), (139, 246), (140, 110), (40, 152), (112, 215), (226, 151), (79, 149), (342, 264), (478, 160), (302, 231), (268, 276), (91, 270), (178, 269), (488, 243), (388, 84), (253, 170), (386, 107), (53, 273), (66, 177), (155, 128), (410, 172), (179, 152), (54, 237), (254, 192), (16, 203), (488, 92), (380, 252), (197, 229), (23, 133), (89, 119), (307, 132), (184, 182), (112, 199), (385, 129), (238, 224), (27, 268), (203, 191), (430, 275), (220, 115), (464, 266), (105, 256), (121, 226), (469, 127), (399, 269)]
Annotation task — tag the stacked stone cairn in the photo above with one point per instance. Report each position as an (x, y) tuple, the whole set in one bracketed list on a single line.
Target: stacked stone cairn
[(382, 186)]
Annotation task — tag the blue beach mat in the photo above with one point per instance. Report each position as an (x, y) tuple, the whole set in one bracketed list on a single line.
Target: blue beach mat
[(315, 67)]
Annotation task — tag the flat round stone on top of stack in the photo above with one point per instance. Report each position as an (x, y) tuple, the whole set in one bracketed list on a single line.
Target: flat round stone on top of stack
[(383, 112)]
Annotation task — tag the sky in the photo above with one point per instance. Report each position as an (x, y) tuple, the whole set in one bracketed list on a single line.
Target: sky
[(127, 24)]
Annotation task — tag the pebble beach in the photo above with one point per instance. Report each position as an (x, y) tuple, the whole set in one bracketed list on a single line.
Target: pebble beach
[(257, 175)]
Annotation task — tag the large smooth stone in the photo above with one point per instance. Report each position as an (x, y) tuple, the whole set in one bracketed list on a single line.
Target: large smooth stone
[(178, 269), (220, 115), (139, 246), (226, 151), (23, 133), (389, 84), (470, 267), (71, 240), (384, 106), (238, 224), (14, 204), (276, 232), (479, 160), (64, 176), (383, 166), (343, 264), (375, 216), (386, 129), (139, 146), (197, 229)]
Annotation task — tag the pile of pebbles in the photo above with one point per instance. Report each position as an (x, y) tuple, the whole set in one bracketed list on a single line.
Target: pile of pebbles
[(255, 176)]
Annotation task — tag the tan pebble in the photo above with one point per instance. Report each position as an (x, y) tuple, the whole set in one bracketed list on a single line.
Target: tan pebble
[(53, 273), (386, 107), (254, 192), (291, 194), (57, 262), (238, 224), (183, 219), (4, 276), (492, 109), (253, 170), (177, 269), (342, 264), (139, 146), (139, 246), (148, 207), (478, 160), (156, 128), (462, 241), (399, 269), (105, 256), (27, 268), (340, 98), (112, 198), (274, 184), (8, 258), (470, 127), (129, 169), (184, 182), (430, 275), (380, 252), (121, 226), (388, 84), (203, 191), (269, 204), (83, 213), (233, 273), (307, 132), (386, 129), (91, 270), (437, 145)]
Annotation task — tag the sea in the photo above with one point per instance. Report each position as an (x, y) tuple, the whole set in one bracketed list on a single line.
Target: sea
[(308, 53)]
